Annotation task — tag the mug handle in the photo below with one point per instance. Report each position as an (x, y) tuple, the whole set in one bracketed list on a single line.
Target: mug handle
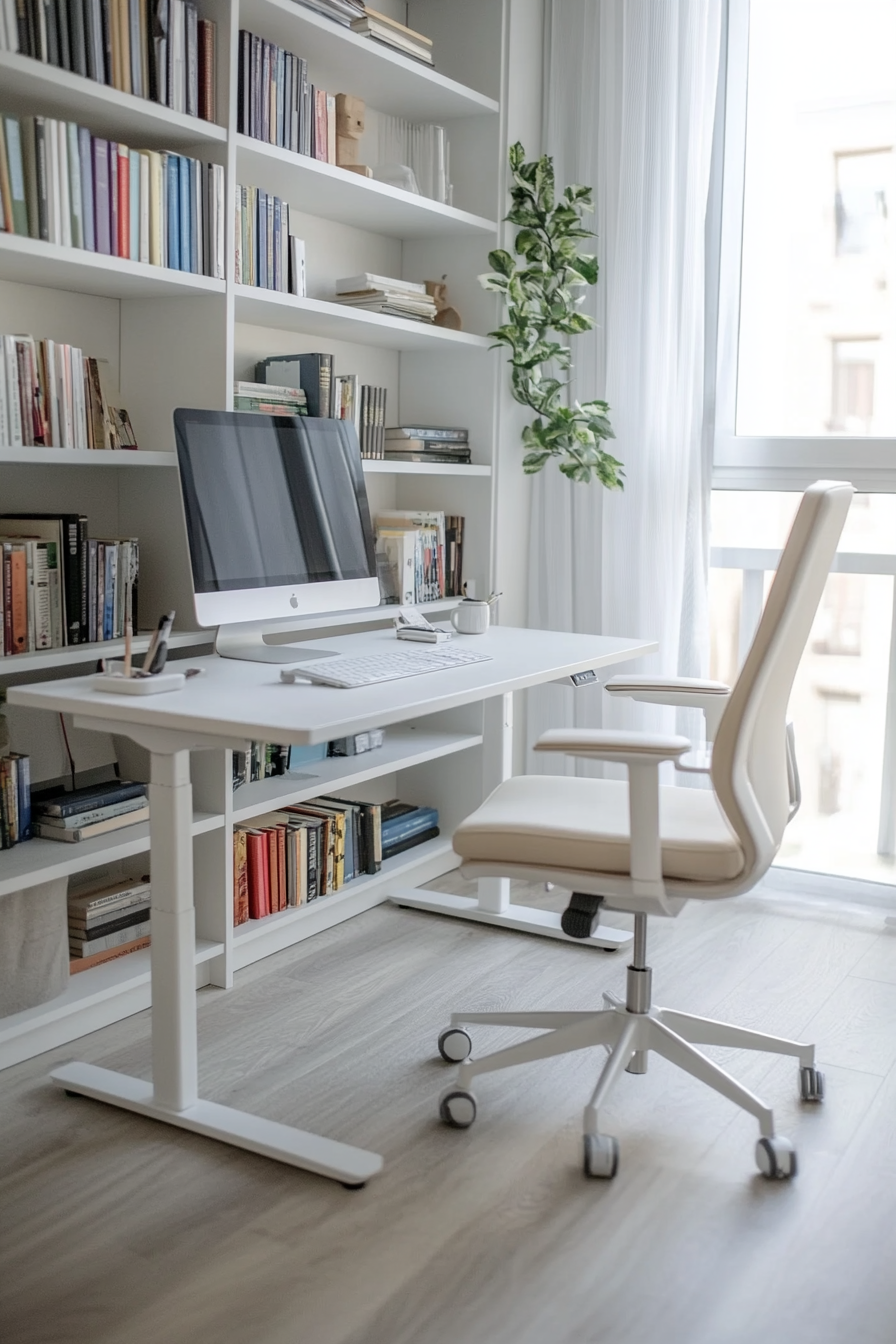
[(453, 620)]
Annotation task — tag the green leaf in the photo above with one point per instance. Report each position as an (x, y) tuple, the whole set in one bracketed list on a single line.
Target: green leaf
[(501, 261)]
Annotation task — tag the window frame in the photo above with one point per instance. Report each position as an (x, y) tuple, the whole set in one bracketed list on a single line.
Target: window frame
[(748, 462)]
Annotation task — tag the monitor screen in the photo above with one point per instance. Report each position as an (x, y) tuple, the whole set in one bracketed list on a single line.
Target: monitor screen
[(272, 500)]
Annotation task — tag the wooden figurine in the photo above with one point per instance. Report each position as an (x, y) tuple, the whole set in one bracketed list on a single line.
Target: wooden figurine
[(349, 129), (446, 316)]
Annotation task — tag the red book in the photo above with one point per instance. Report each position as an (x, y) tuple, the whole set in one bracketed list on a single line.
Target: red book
[(123, 246), (281, 863), (273, 868), (256, 854)]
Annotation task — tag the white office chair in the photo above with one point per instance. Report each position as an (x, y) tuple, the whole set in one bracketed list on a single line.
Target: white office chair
[(647, 849)]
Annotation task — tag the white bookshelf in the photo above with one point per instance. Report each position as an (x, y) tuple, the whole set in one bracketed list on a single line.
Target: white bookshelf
[(172, 339)]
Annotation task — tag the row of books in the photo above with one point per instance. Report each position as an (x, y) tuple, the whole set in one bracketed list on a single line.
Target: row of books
[(266, 254), (427, 443), (311, 850), (380, 294), (51, 395), (62, 184), (15, 799), (267, 760), (107, 920), (329, 394), (157, 49), (73, 815), (420, 555), (62, 587)]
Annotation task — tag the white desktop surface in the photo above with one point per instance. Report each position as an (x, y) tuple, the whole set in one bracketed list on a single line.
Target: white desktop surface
[(234, 701)]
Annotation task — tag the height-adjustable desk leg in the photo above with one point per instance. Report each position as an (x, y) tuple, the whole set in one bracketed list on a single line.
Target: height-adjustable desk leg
[(172, 1096), (493, 904)]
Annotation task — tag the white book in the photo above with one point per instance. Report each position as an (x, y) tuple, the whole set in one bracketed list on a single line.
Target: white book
[(143, 252), (13, 397), (5, 434), (178, 39), (78, 398), (29, 579), (63, 390), (298, 284), (65, 208), (218, 175), (399, 547), (354, 284), (53, 394), (74, 185)]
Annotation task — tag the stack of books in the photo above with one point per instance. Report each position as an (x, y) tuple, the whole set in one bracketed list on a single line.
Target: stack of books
[(15, 799), (404, 826), (108, 921), (160, 50), (394, 34), (62, 184), (423, 555), (380, 294), (269, 399), (74, 815), (267, 255), (60, 587), (340, 11), (312, 372), (51, 395), (426, 443)]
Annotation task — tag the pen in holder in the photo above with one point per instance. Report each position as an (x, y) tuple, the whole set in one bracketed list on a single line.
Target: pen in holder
[(124, 679)]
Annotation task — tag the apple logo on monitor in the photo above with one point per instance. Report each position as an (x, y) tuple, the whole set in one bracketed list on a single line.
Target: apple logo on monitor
[(293, 601)]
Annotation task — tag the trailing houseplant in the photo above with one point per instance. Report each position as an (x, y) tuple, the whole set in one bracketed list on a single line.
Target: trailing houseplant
[(539, 281)]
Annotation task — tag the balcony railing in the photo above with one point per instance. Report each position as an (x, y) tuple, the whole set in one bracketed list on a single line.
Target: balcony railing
[(755, 562)]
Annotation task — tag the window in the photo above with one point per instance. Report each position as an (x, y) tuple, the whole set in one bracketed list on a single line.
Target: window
[(807, 338), (864, 182)]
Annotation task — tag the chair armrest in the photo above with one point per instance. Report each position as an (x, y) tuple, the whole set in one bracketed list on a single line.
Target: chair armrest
[(601, 744), (684, 692)]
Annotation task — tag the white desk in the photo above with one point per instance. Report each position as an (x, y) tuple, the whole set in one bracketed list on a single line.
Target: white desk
[(235, 702)]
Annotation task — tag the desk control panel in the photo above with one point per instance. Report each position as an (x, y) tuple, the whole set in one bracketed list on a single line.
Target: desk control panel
[(583, 678)]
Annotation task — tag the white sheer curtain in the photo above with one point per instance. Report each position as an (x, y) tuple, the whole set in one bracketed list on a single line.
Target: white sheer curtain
[(629, 108)]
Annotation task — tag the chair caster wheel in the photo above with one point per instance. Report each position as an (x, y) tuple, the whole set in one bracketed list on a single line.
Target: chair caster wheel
[(601, 1156), (346, 1185), (457, 1108), (811, 1084), (455, 1045), (776, 1159)]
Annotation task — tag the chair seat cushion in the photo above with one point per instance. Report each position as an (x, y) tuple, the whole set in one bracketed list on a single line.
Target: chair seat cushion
[(556, 821)]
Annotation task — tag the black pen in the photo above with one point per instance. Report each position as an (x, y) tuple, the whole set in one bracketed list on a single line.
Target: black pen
[(157, 652)]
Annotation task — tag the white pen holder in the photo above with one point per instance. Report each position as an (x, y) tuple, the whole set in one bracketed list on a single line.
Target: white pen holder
[(114, 681)]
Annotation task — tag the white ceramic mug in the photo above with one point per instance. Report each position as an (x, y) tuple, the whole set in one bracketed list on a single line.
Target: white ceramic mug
[(471, 617)]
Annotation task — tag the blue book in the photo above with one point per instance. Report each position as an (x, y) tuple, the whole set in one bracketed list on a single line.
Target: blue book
[(135, 203), (278, 261), (23, 795), (174, 212), (408, 824), (195, 216), (185, 211), (86, 155), (109, 592)]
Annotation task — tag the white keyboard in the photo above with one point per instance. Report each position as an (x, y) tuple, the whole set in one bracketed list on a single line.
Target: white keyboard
[(366, 669)]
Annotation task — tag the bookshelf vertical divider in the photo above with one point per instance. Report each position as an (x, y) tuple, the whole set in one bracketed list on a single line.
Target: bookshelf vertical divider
[(178, 340)]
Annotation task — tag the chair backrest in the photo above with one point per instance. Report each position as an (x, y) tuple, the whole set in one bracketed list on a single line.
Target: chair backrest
[(749, 759)]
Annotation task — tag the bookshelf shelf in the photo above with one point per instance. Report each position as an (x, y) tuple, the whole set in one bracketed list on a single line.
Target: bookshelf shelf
[(96, 994), (35, 861), (404, 747), (343, 61), (49, 91), (159, 354), (83, 457), (378, 468), (30, 261), (283, 928), (323, 189), (78, 654), (316, 317)]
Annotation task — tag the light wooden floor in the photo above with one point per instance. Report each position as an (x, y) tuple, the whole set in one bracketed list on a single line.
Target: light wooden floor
[(116, 1230)]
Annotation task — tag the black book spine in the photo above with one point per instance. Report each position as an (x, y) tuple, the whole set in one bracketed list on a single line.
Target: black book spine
[(62, 28), (107, 43), (52, 52), (24, 28), (410, 843), (135, 915), (40, 146), (78, 34), (242, 82)]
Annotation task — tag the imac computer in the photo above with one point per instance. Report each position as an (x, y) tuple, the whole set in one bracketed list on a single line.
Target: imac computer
[(278, 524)]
